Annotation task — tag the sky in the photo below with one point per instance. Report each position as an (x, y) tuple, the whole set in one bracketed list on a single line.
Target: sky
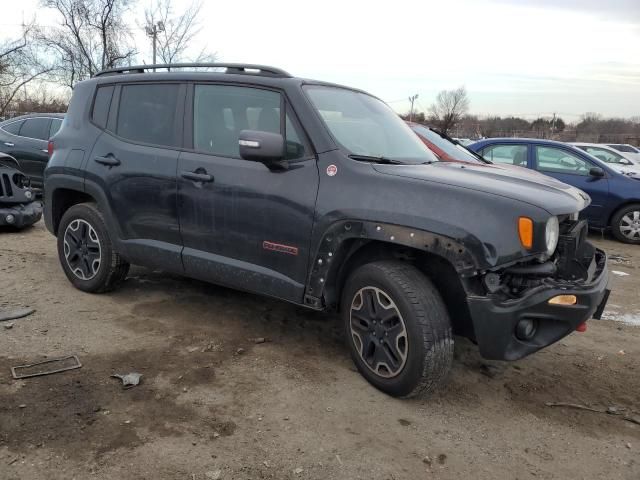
[(515, 57)]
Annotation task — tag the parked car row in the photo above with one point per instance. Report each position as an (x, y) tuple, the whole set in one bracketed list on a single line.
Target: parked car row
[(25, 138)]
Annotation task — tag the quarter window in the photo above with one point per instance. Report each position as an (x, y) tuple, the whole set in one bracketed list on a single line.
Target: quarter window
[(147, 113), (37, 128), (101, 106), (56, 123), (221, 112), (556, 160), (507, 154)]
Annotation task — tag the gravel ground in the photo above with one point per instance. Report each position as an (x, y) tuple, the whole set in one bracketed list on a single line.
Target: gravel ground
[(215, 403)]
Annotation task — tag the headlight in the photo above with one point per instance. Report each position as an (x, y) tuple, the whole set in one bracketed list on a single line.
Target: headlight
[(551, 235)]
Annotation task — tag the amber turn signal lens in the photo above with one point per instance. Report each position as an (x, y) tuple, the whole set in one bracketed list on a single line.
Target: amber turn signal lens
[(525, 231), (563, 300)]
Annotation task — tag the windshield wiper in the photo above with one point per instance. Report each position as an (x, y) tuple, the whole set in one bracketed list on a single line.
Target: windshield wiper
[(373, 158)]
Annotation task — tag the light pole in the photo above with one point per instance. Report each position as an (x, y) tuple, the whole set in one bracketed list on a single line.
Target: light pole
[(152, 31), (411, 100)]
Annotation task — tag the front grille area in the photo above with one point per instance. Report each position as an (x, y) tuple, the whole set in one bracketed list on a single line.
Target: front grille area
[(6, 189)]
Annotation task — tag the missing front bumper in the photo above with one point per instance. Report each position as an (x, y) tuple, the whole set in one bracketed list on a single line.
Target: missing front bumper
[(496, 321)]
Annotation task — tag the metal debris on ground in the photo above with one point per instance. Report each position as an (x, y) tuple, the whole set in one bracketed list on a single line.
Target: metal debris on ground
[(8, 326), (619, 273), (46, 367), (258, 340), (614, 411), (129, 380), (15, 314)]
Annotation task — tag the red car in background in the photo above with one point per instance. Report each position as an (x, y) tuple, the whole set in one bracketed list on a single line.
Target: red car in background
[(445, 148)]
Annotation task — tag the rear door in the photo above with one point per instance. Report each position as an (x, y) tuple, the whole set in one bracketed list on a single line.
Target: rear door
[(245, 225), (134, 163), (570, 168), (30, 147)]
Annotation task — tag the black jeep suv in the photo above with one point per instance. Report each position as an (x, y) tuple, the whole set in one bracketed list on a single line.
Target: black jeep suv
[(319, 195)]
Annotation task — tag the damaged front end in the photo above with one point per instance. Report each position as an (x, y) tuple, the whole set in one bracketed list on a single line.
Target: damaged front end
[(18, 205), (531, 305)]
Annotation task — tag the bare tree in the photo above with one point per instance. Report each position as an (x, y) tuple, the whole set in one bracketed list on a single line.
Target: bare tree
[(19, 66), (92, 37), (177, 32), (449, 108)]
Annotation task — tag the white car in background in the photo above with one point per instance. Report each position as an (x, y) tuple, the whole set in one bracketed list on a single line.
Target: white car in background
[(611, 156), (629, 151)]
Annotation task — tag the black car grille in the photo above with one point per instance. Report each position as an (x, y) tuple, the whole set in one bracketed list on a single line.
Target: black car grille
[(6, 189)]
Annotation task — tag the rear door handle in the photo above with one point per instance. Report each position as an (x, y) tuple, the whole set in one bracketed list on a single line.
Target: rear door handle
[(109, 161), (9, 144), (197, 176)]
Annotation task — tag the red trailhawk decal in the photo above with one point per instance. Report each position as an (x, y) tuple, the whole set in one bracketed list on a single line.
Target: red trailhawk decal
[(278, 247)]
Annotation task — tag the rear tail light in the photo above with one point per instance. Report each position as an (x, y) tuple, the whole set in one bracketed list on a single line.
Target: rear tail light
[(50, 148)]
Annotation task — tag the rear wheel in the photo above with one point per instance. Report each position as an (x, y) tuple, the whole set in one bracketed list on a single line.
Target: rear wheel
[(625, 224), (397, 328), (85, 250)]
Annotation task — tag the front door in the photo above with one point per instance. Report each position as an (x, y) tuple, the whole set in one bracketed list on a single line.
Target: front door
[(244, 224), (134, 162), (572, 169)]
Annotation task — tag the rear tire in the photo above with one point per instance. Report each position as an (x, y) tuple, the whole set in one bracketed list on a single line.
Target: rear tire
[(625, 224), (397, 328), (86, 253)]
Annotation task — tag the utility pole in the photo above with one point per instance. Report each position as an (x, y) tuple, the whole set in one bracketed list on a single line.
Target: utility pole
[(412, 99), (553, 124), (152, 31)]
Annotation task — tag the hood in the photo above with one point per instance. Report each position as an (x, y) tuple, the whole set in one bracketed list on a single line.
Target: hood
[(625, 169), (516, 183)]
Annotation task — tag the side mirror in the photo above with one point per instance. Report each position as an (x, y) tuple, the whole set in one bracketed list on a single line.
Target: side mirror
[(259, 146), (624, 161), (596, 172)]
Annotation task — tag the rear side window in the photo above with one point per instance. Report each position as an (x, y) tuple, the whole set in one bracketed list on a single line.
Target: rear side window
[(507, 154), (56, 123), (147, 113), (37, 128), (101, 106), (14, 127)]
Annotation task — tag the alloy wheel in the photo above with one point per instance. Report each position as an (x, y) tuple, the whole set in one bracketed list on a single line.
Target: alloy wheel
[(82, 250), (630, 225), (378, 332)]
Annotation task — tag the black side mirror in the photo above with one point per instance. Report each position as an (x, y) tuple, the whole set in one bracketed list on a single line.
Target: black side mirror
[(596, 172), (259, 146)]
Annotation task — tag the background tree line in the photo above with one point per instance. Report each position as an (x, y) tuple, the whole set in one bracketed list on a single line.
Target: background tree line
[(91, 35), (449, 113)]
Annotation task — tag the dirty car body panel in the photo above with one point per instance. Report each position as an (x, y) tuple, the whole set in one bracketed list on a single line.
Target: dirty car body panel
[(288, 229)]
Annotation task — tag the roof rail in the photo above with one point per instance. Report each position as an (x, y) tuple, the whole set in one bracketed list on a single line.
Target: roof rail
[(237, 68)]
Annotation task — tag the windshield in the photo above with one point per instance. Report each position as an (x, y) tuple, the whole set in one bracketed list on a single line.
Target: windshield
[(448, 150), (366, 126), (625, 148), (606, 155)]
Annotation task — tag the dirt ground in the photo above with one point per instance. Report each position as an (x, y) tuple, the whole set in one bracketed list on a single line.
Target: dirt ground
[(213, 403)]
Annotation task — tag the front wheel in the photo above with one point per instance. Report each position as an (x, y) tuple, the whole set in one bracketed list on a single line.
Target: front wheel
[(625, 224), (397, 328)]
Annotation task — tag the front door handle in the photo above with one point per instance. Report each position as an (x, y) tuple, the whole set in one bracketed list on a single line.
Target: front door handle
[(44, 150), (197, 176), (109, 161), (9, 144)]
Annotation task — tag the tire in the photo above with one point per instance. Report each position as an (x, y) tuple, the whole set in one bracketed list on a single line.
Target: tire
[(625, 224), (84, 231), (421, 360)]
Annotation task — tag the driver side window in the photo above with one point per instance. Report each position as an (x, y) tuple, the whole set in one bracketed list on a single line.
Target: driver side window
[(556, 160)]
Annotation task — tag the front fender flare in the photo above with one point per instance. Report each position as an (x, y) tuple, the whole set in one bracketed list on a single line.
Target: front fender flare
[(331, 250)]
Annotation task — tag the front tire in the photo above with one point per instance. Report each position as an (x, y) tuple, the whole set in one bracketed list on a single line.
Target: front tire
[(85, 250), (625, 224), (397, 328)]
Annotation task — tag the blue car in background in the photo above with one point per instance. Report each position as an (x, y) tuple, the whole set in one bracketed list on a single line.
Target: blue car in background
[(615, 197)]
